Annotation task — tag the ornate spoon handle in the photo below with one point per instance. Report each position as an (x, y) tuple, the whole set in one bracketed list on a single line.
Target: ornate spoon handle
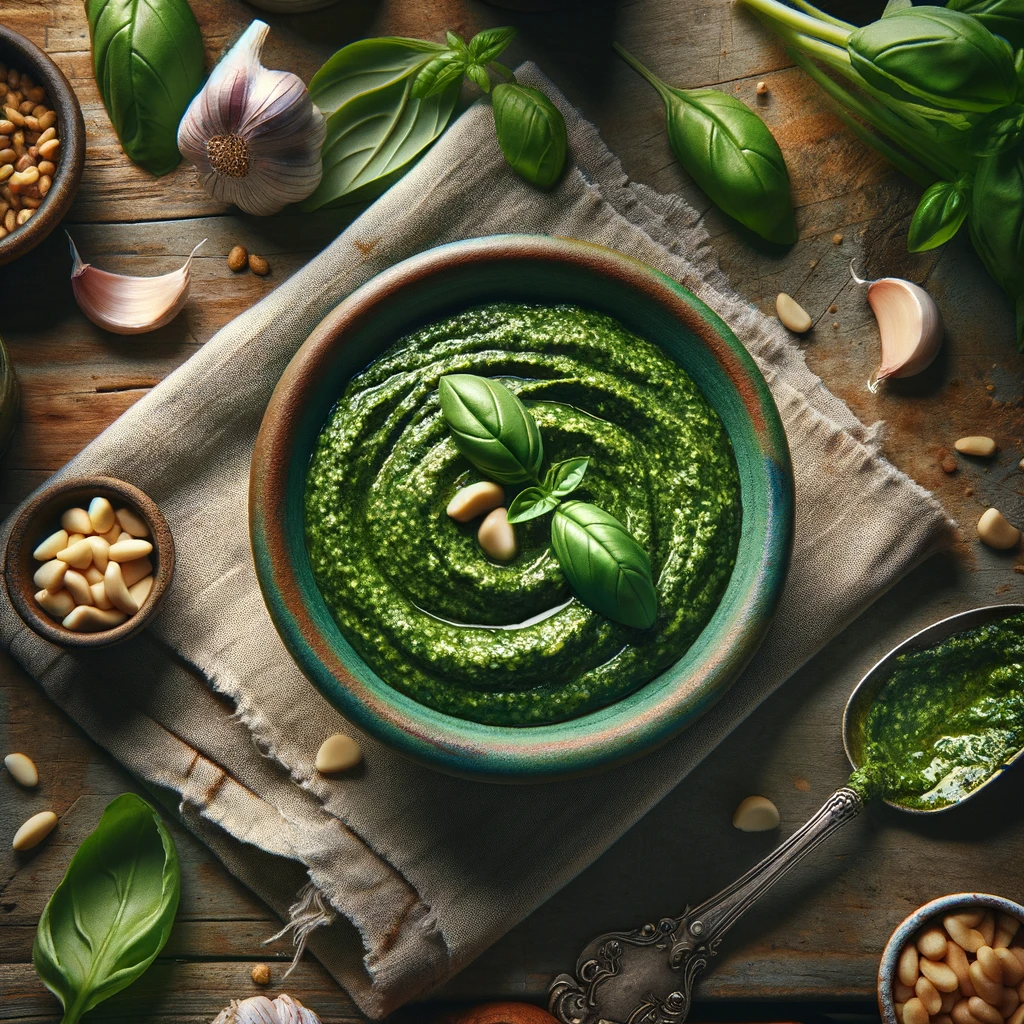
[(646, 976)]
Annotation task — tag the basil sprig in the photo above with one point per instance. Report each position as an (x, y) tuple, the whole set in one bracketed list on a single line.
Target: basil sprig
[(471, 60), (605, 566), (112, 912)]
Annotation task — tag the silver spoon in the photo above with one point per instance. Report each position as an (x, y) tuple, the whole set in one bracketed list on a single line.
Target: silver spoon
[(646, 976)]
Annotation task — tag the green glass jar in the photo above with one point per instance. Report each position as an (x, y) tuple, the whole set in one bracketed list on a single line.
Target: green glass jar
[(10, 398)]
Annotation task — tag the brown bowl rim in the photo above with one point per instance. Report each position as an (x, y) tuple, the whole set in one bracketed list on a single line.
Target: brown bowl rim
[(903, 932), (21, 542), (72, 143)]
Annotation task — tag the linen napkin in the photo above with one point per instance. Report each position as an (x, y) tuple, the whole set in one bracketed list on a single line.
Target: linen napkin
[(400, 876)]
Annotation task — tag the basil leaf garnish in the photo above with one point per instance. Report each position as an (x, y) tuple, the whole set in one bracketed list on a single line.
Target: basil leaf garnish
[(112, 912), (378, 128), (488, 45), (438, 74), (564, 477), (531, 503), (147, 56), (605, 566), (531, 133), (492, 428), (943, 208)]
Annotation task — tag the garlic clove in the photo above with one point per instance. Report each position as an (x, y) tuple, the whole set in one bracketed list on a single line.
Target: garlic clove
[(263, 1010), (253, 134), (909, 324), (125, 304)]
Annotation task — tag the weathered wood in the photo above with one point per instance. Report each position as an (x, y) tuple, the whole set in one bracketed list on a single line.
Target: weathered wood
[(818, 935)]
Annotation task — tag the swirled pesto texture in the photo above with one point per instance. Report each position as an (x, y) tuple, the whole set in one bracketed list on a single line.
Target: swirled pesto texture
[(948, 718), (411, 589)]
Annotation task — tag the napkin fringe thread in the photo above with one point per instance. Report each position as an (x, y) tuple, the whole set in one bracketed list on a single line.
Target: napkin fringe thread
[(309, 912)]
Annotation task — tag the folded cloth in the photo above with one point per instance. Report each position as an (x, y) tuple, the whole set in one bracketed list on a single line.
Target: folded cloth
[(406, 874)]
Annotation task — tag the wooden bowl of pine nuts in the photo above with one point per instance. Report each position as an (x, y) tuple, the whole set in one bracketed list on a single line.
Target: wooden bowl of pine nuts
[(119, 583), (956, 960), (42, 145)]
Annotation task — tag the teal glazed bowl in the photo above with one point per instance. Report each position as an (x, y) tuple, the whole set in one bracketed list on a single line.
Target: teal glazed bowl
[(541, 270)]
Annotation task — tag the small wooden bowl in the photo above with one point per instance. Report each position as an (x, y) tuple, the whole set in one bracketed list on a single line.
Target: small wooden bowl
[(930, 913), (41, 517), (24, 56)]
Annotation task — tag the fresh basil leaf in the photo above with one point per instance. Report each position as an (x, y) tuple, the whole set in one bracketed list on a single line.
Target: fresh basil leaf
[(531, 503), (112, 912), (375, 138), (488, 45), (437, 75), (730, 153), (478, 76), (458, 44), (147, 56), (531, 133), (368, 65), (943, 208), (564, 477), (1001, 17), (936, 57), (492, 428), (1000, 130), (605, 566)]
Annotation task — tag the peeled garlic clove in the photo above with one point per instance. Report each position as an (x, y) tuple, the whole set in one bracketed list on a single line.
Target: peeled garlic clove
[(756, 814), (254, 135), (996, 532), (909, 324), (125, 304)]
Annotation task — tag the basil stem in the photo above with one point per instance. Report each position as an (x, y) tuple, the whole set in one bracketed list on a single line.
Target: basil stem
[(492, 428), (112, 912), (730, 153), (605, 566)]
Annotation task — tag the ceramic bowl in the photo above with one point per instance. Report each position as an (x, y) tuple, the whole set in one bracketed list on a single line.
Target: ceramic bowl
[(41, 517), (961, 901), (541, 270), (19, 53)]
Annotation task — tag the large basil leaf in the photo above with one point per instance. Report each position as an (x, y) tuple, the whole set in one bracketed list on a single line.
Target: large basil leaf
[(943, 208), (492, 428), (112, 912), (935, 57), (1003, 17), (730, 153), (997, 225), (375, 135), (531, 133), (605, 566), (368, 65), (147, 56)]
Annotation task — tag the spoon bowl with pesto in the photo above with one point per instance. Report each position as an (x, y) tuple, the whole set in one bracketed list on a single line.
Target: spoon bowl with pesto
[(937, 720)]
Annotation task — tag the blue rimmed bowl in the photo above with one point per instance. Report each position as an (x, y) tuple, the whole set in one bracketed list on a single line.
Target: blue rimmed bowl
[(542, 270)]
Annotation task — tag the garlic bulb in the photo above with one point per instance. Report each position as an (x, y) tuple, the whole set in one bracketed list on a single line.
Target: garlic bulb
[(261, 1010), (125, 304), (909, 324), (254, 135)]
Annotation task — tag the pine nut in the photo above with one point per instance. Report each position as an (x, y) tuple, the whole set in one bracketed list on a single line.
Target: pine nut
[(1013, 969), (988, 990), (46, 168), (129, 550), (34, 831), (22, 770), (995, 532), (132, 523), (14, 116), (1009, 1003), (908, 966), (987, 927), (76, 520), (32, 123), (44, 184), (932, 943), (49, 149), (6, 171), (961, 1013), (78, 587), (990, 964), (940, 975), (48, 548), (44, 137), (101, 515), (238, 258), (78, 556), (25, 107), (87, 619), (756, 814), (100, 552), (792, 314), (901, 993), (50, 576), (258, 265), (914, 1012), (1006, 928), (56, 604), (20, 179), (929, 995), (475, 500), (497, 536), (337, 753), (984, 1011), (117, 591), (7, 128)]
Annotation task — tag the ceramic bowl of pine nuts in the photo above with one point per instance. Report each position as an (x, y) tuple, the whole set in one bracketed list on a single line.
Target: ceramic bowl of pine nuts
[(956, 960), (89, 561), (42, 145)]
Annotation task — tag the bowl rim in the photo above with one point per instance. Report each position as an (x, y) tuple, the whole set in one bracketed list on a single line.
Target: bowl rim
[(912, 922), (506, 753), (68, 175), (18, 560)]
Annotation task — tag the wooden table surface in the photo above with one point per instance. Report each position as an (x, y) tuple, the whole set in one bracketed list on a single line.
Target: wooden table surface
[(818, 935)]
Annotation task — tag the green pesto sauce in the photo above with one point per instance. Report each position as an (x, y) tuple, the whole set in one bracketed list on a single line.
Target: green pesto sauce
[(949, 717), (411, 589)]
